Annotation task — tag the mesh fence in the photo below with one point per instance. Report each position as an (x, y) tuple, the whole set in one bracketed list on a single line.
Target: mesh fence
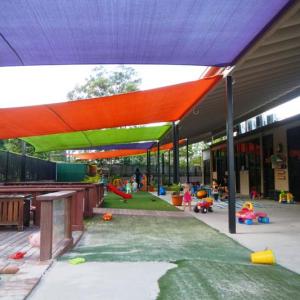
[(15, 167)]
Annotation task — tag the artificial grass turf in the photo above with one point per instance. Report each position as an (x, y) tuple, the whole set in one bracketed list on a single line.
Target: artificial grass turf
[(140, 200), (210, 265), (198, 279)]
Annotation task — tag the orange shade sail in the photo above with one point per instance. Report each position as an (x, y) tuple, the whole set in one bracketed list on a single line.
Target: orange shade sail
[(166, 104), (109, 154), (122, 153), (168, 146)]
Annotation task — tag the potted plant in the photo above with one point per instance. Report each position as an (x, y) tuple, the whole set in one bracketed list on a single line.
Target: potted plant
[(176, 197)]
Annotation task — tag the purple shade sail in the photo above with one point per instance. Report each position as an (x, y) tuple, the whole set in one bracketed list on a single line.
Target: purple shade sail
[(141, 146), (189, 32)]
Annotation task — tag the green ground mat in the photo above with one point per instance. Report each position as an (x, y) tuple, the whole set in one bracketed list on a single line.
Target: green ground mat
[(140, 200), (210, 264), (195, 279), (156, 239)]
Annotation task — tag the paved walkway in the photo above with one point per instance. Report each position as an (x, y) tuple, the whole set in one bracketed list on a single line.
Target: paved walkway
[(282, 235), (141, 213)]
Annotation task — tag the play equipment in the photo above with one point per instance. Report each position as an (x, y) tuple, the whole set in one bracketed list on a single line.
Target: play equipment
[(247, 215), (17, 255), (263, 257), (286, 197), (35, 239), (107, 217), (117, 182), (76, 260), (118, 192), (204, 206), (162, 191), (201, 194)]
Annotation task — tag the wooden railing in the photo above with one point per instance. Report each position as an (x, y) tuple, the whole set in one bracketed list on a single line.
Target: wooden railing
[(53, 240)]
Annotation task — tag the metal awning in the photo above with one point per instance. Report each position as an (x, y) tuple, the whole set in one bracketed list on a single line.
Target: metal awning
[(268, 75)]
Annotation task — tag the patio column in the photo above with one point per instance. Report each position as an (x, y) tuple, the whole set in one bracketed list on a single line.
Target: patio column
[(148, 170), (187, 162), (169, 167), (175, 154), (158, 169), (162, 168), (230, 157)]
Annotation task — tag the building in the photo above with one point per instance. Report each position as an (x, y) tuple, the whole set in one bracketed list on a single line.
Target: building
[(267, 159)]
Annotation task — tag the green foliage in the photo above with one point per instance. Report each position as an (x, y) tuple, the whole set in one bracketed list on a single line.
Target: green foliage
[(91, 179), (175, 188), (105, 83)]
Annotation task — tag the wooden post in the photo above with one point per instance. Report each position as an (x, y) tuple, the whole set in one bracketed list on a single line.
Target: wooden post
[(46, 228)]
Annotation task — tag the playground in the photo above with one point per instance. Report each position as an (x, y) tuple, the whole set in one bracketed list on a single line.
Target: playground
[(185, 256), (182, 189)]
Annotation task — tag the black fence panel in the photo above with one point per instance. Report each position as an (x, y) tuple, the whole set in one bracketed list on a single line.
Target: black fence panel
[(15, 167)]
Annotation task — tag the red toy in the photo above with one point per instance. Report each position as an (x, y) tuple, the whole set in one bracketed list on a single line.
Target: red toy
[(17, 255), (204, 206), (118, 192)]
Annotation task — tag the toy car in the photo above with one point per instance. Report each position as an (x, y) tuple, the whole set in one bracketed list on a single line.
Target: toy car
[(247, 215), (204, 206)]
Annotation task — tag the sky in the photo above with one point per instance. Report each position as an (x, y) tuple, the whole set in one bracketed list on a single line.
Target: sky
[(23, 86)]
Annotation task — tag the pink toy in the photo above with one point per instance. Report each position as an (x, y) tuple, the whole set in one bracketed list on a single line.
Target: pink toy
[(35, 239), (246, 215)]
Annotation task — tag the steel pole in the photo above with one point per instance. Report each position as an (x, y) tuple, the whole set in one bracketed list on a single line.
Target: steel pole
[(175, 154), (187, 162), (158, 169), (169, 167), (148, 163), (230, 157)]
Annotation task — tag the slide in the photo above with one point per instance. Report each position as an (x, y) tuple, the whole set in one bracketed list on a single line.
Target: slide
[(113, 189)]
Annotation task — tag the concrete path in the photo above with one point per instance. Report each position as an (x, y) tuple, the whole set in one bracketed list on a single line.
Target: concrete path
[(282, 235), (107, 281)]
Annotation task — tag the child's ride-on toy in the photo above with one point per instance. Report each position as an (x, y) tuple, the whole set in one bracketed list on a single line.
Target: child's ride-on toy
[(204, 206), (247, 215)]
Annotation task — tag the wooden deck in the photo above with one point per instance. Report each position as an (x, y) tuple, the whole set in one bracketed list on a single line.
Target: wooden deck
[(19, 285)]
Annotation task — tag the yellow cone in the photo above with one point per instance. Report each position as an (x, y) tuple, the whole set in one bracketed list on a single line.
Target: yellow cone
[(263, 257)]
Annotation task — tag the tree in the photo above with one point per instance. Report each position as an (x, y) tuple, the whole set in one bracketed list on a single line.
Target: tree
[(106, 83)]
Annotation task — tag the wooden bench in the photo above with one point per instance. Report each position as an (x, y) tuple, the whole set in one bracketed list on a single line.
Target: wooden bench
[(12, 210)]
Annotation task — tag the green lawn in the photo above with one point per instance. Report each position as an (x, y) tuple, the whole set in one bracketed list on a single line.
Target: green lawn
[(210, 265), (140, 200)]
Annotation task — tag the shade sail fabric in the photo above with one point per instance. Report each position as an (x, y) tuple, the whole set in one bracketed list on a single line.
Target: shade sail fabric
[(164, 104), (110, 154), (168, 146), (83, 139), (131, 146), (188, 32), (123, 152)]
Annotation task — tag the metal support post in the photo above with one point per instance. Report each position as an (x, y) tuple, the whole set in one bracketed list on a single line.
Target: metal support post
[(175, 154), (230, 157), (187, 162), (162, 168), (169, 167), (158, 169)]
